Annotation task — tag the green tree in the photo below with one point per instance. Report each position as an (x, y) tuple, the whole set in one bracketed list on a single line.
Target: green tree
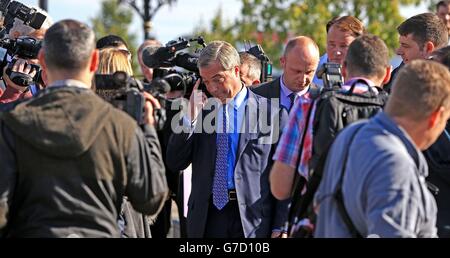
[(220, 29), (115, 19), (271, 22)]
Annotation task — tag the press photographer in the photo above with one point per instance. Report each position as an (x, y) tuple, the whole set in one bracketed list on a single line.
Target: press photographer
[(24, 28), (158, 63), (131, 95), (250, 70), (265, 63)]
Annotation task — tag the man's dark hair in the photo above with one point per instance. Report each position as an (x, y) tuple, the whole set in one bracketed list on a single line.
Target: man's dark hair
[(68, 45), (367, 55), (444, 3), (111, 41), (425, 27)]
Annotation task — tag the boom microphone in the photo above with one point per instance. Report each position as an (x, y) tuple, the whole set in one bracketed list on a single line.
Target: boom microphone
[(187, 61), (152, 56)]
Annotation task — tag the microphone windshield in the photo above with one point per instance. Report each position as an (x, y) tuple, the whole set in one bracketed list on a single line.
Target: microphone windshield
[(150, 56)]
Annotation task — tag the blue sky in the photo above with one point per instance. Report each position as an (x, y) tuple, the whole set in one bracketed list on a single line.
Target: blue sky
[(170, 22)]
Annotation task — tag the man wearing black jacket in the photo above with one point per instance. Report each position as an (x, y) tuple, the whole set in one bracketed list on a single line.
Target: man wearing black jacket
[(68, 157), (418, 37)]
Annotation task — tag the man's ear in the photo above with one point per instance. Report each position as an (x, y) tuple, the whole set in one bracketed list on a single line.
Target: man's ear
[(255, 82), (344, 69), (428, 48), (387, 77), (41, 58), (95, 58), (283, 62), (237, 71), (435, 117)]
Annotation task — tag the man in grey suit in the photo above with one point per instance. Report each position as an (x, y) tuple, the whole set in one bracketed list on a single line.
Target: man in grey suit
[(299, 62), (230, 144)]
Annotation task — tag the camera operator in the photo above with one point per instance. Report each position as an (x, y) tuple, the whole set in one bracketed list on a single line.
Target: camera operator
[(112, 59), (250, 69), (147, 71), (162, 224), (366, 66), (14, 91), (67, 178), (341, 31), (116, 42)]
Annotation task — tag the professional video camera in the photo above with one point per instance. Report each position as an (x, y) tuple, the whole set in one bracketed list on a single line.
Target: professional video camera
[(331, 75), (125, 93), (266, 64), (25, 48), (163, 59), (14, 9)]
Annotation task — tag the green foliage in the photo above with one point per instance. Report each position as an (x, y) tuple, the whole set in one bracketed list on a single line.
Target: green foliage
[(271, 22), (116, 19)]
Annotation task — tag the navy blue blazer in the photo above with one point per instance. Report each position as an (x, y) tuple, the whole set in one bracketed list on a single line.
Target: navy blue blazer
[(260, 212)]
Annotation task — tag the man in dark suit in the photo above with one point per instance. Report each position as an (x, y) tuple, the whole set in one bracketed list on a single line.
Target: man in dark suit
[(299, 63), (230, 155)]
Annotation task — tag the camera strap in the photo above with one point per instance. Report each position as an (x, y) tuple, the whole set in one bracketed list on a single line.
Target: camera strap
[(34, 89), (338, 194)]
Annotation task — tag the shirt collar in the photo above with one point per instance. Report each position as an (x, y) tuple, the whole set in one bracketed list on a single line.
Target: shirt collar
[(239, 99), (354, 79), (70, 83)]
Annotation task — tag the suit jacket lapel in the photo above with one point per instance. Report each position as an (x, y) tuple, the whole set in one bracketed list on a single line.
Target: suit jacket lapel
[(276, 89), (250, 125), (210, 138)]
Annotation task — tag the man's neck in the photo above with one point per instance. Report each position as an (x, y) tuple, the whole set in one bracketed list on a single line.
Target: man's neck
[(228, 100), (413, 129), (288, 91), (61, 76), (376, 81)]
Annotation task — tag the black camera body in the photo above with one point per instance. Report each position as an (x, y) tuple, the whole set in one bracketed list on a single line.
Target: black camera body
[(25, 48), (266, 64), (125, 93), (22, 79), (13, 9), (331, 75), (177, 81), (163, 59), (168, 56)]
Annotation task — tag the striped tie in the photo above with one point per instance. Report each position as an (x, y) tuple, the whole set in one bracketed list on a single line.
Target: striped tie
[(220, 189)]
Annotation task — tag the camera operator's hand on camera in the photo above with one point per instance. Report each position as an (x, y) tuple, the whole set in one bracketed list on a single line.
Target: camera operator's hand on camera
[(20, 66), (196, 102), (151, 104)]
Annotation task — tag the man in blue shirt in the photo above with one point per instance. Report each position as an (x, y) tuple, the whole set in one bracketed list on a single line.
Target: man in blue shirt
[(299, 63), (341, 31), (229, 141), (383, 188)]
